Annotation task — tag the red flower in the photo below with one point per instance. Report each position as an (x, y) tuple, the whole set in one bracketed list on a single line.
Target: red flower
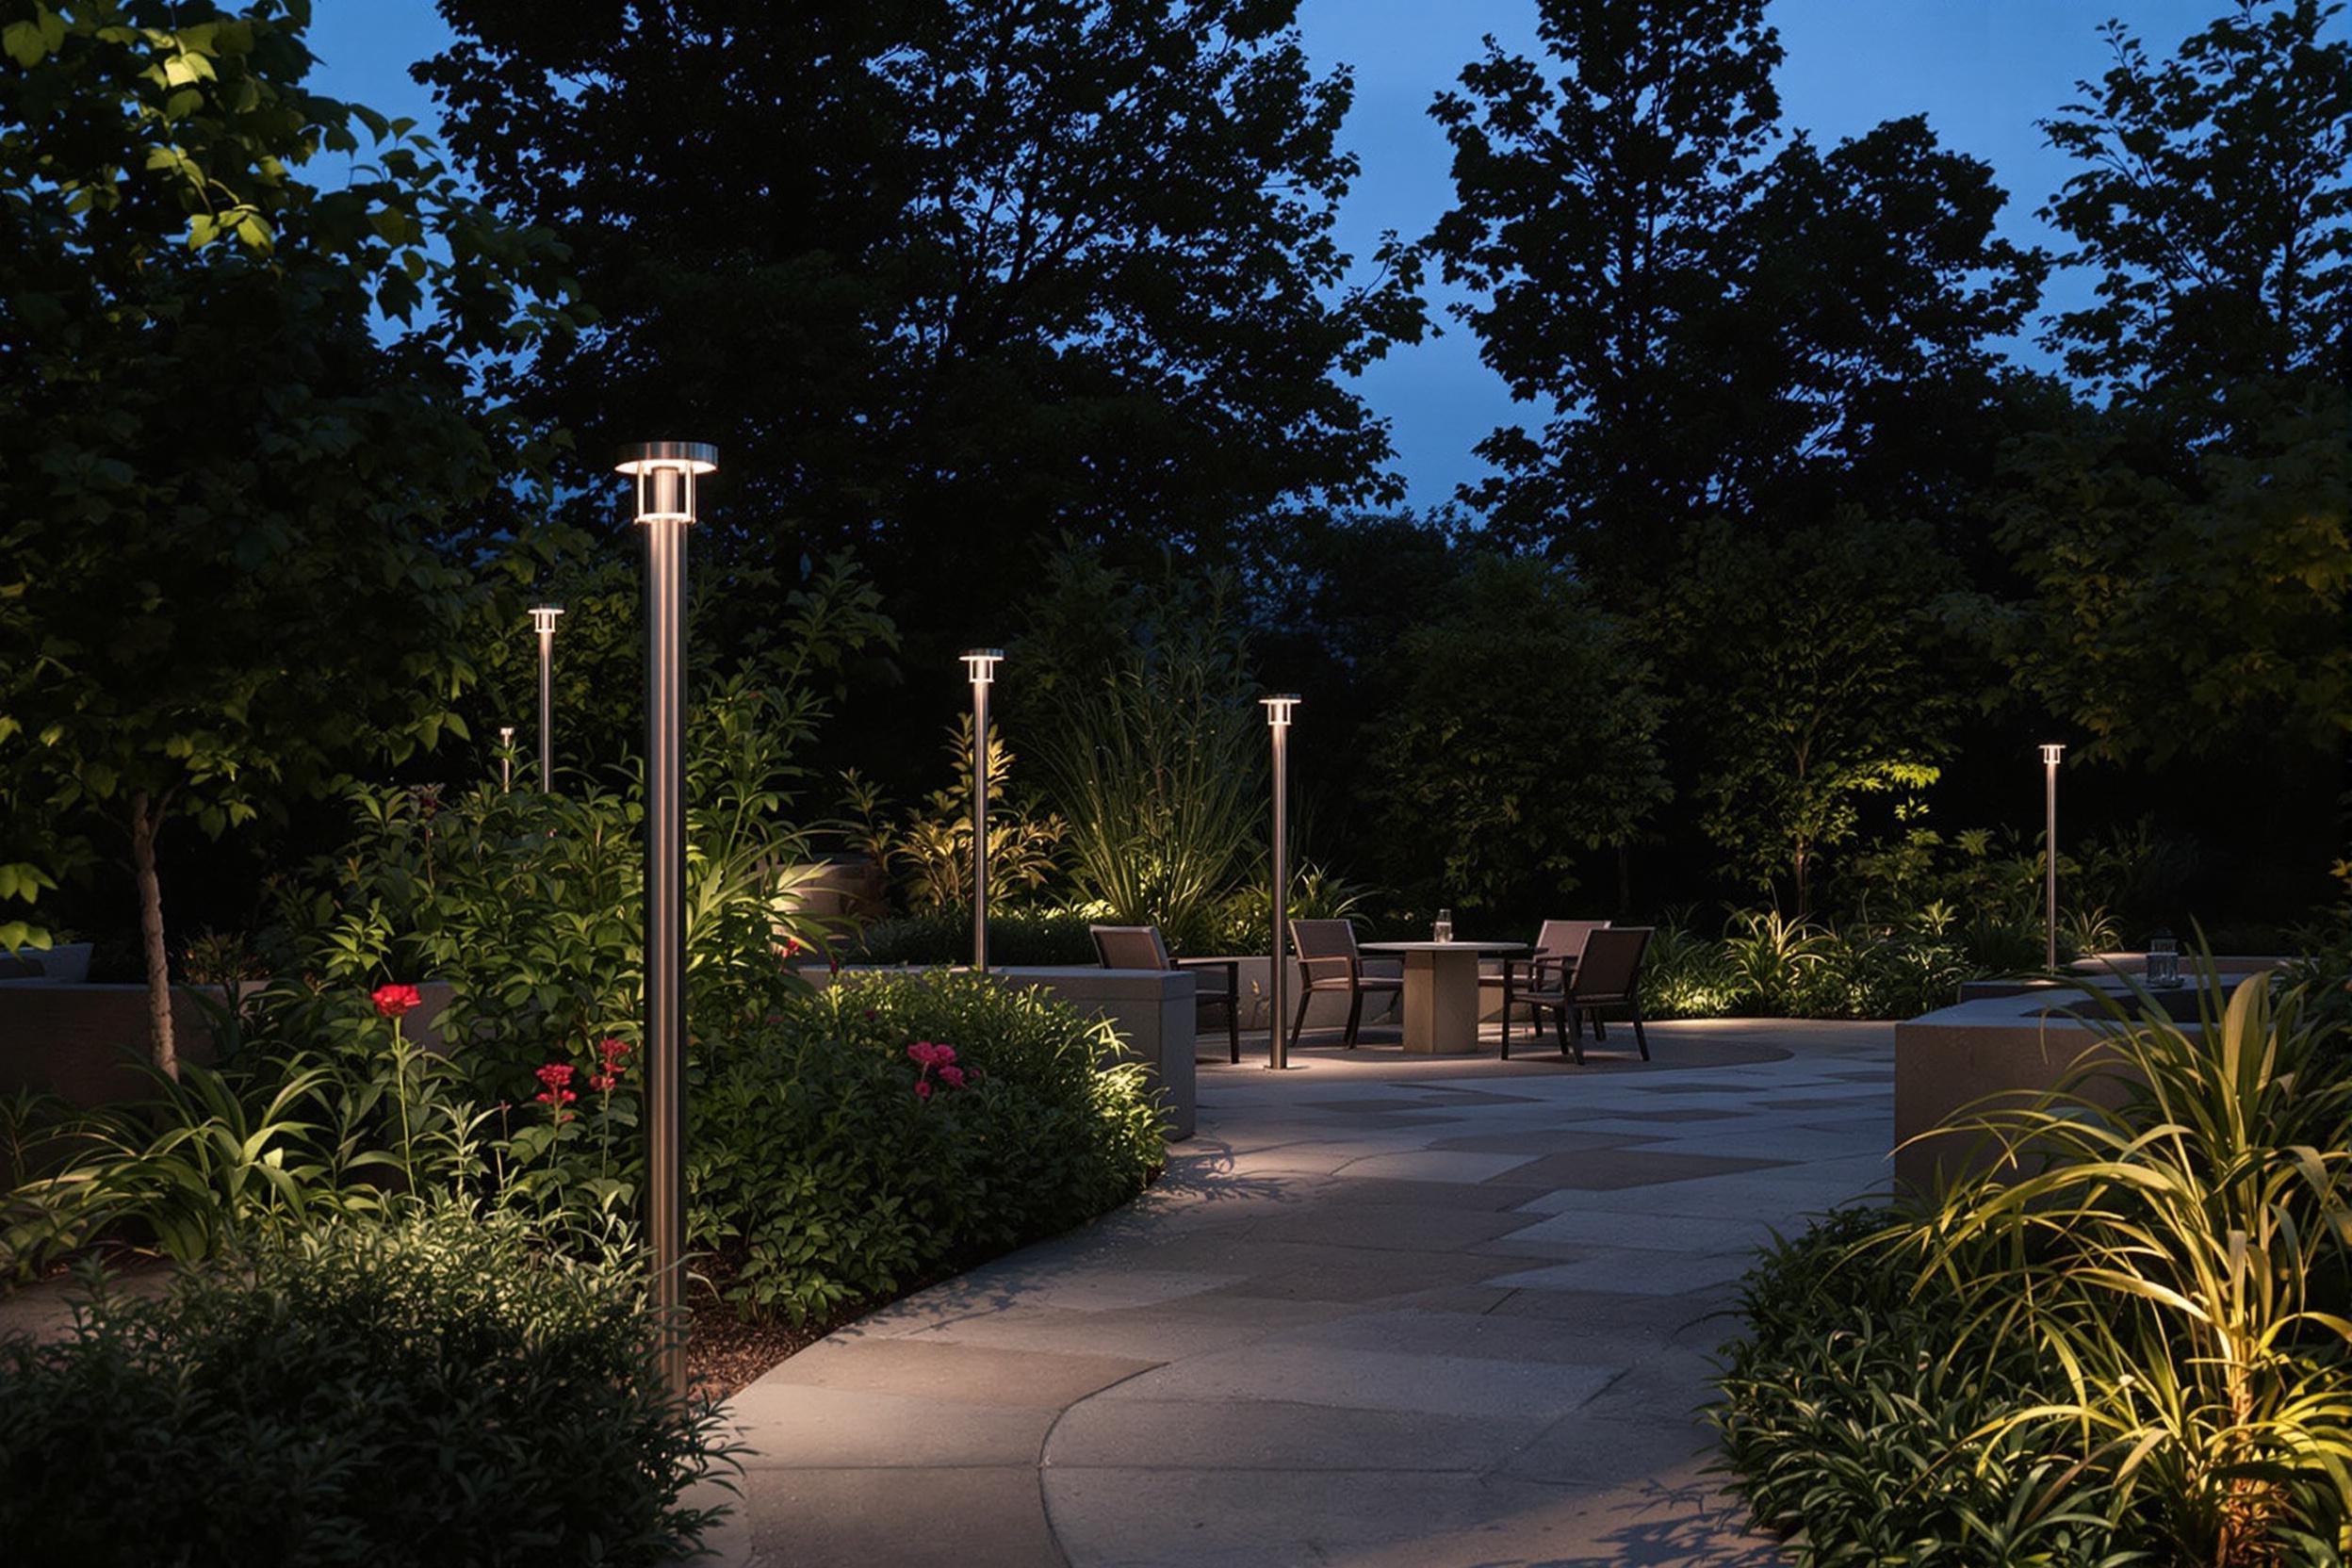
[(394, 1000), (602, 1082), (951, 1076), (923, 1089), (555, 1075)]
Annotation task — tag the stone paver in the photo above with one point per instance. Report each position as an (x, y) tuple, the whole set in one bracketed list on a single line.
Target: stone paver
[(1382, 1312)]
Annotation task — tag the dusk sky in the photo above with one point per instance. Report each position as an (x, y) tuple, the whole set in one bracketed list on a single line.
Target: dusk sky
[(1982, 71)]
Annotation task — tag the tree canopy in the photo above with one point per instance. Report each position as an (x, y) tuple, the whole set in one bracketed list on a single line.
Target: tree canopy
[(946, 280)]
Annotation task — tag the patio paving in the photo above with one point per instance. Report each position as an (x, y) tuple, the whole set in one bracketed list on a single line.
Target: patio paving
[(1390, 1312)]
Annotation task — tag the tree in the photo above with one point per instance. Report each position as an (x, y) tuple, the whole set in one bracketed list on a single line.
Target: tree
[(945, 280), (1521, 737), (1712, 326), (1804, 688), (2214, 203), (241, 421), (2183, 601)]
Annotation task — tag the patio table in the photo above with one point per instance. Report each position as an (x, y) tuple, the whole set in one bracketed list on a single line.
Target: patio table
[(1442, 991)]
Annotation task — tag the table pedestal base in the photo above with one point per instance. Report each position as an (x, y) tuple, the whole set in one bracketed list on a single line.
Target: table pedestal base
[(1442, 1003)]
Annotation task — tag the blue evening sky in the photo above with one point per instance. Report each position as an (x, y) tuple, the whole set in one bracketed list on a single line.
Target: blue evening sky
[(1982, 71)]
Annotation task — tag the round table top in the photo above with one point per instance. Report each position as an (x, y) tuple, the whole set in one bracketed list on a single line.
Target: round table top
[(1457, 945)]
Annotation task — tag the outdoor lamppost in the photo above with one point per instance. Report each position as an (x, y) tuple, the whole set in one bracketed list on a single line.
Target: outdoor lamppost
[(2049, 848), (980, 667), (543, 622), (1278, 713), (666, 472), (506, 757)]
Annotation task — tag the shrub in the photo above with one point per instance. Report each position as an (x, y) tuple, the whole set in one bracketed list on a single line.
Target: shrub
[(431, 1392), (943, 934), (1846, 1424), (829, 1167), (2123, 1340)]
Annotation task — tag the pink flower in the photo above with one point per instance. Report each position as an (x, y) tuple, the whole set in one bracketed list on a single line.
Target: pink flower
[(555, 1075), (395, 1001), (951, 1076), (923, 1089)]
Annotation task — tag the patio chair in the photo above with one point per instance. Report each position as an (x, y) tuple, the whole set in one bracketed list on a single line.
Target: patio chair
[(1140, 947), (1607, 978), (1558, 946), (1329, 961)]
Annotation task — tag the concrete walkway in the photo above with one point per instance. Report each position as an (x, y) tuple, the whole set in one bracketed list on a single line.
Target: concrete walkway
[(1382, 1312)]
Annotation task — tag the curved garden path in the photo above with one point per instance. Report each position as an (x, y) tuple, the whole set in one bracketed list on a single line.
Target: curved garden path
[(1392, 1313)]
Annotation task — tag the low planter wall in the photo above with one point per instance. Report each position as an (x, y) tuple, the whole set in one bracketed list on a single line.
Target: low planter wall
[(2013, 1040), (84, 1043)]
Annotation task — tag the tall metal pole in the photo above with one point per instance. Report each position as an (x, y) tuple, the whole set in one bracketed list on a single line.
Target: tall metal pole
[(980, 666), (2050, 849), (665, 473), (1278, 712), (543, 622)]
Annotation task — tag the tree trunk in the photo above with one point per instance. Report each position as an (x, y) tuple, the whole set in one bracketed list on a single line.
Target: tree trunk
[(146, 822)]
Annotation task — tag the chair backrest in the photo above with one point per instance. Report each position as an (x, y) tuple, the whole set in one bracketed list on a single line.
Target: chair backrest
[(1130, 947), (1323, 938), (1611, 965), (1565, 938)]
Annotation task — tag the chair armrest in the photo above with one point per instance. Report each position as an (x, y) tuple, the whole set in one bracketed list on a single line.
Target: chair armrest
[(1230, 966)]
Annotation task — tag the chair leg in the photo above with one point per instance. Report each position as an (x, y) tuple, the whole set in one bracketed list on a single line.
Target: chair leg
[(1233, 1028), (1298, 1024), (1571, 1046), (1506, 1000), (1600, 1030), (1638, 1037), (1355, 1015)]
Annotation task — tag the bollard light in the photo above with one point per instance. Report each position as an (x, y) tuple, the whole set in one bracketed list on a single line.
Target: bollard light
[(666, 472), (506, 757), (980, 669), (543, 618), (1279, 709), (2050, 752)]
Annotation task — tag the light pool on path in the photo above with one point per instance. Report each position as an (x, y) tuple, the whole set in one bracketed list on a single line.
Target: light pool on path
[(1399, 1313)]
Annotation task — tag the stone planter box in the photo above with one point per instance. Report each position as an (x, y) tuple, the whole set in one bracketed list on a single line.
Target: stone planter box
[(2008, 1039), (85, 1043)]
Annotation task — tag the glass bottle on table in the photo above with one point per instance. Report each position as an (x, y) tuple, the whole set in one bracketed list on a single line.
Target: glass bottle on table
[(1443, 930)]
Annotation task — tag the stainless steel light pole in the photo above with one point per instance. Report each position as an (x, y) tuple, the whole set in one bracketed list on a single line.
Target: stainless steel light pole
[(506, 757), (980, 666), (1279, 709), (543, 622), (2049, 848), (666, 472)]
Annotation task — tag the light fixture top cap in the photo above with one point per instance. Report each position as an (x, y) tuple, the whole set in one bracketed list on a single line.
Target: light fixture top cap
[(695, 457), (982, 653), (2051, 750), (1280, 696)]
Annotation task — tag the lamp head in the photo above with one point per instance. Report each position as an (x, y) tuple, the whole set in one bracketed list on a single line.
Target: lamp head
[(543, 617), (506, 734), (2051, 755), (980, 665), (1279, 707), (666, 472)]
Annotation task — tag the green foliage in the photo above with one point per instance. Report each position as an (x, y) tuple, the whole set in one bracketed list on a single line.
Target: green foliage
[(2211, 198), (930, 844), (1157, 767), (838, 294), (227, 498), (1521, 735), (822, 1180), (529, 905), (2184, 599), (1020, 934), (1710, 325), (1811, 699), (434, 1391), (2119, 1338), (1847, 1424), (2181, 1255)]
